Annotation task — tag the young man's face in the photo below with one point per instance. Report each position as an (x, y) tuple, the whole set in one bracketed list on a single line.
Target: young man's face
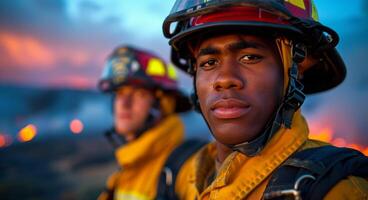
[(239, 82), (131, 108)]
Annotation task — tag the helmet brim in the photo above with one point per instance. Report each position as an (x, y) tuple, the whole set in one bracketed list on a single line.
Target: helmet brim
[(329, 72)]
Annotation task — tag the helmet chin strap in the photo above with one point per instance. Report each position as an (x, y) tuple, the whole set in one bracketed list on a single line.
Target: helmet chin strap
[(291, 102)]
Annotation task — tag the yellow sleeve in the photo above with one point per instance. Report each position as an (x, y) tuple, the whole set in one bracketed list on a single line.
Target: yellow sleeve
[(351, 188), (110, 184)]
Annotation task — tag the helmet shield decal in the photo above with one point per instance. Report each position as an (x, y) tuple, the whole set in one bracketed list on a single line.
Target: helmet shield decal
[(140, 68)]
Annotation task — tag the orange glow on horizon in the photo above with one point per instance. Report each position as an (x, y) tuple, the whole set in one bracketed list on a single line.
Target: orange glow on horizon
[(340, 142), (365, 151), (76, 126), (27, 133), (326, 135)]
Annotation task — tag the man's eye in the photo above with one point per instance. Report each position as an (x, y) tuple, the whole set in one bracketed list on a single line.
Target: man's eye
[(251, 59), (208, 64)]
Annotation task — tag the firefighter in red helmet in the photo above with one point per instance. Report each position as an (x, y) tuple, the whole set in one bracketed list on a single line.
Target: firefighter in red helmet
[(147, 128), (253, 62)]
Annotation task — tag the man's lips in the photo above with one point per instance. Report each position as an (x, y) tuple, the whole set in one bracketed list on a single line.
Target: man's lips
[(229, 108), (124, 116)]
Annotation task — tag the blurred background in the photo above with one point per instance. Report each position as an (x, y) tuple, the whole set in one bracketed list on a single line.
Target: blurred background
[(52, 117)]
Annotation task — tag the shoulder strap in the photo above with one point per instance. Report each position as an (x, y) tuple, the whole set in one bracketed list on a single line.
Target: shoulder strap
[(311, 173), (166, 185)]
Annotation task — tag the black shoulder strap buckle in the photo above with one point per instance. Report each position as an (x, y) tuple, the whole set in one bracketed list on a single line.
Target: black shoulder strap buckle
[(167, 179), (311, 173), (294, 192)]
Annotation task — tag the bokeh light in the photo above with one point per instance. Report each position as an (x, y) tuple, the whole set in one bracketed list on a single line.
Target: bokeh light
[(8, 140), (27, 133), (76, 126), (3, 142)]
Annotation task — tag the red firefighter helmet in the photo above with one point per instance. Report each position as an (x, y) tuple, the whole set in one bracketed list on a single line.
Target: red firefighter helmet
[(131, 66), (295, 19)]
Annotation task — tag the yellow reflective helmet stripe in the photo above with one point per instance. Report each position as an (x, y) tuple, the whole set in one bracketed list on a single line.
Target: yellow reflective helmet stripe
[(314, 11), (155, 67), (172, 72), (298, 3)]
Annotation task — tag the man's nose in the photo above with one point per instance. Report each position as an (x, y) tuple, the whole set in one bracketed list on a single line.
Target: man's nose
[(125, 101), (229, 77)]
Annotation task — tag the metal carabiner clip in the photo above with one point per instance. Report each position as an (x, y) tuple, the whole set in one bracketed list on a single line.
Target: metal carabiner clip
[(295, 192)]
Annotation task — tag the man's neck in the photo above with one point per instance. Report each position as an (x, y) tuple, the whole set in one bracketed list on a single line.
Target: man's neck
[(222, 152)]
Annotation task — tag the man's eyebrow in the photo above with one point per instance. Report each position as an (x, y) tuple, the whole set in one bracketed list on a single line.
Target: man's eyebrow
[(208, 51), (232, 47), (245, 44)]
